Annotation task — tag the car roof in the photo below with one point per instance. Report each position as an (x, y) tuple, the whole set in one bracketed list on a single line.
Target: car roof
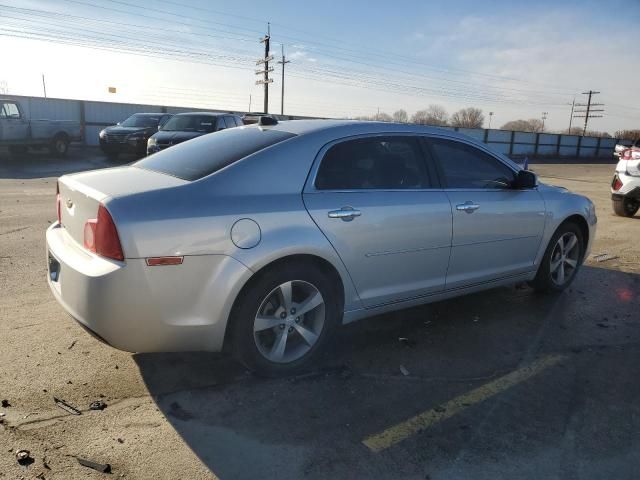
[(206, 114), (151, 114), (340, 127)]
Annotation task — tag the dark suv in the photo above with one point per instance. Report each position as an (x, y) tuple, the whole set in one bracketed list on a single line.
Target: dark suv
[(131, 135), (185, 126)]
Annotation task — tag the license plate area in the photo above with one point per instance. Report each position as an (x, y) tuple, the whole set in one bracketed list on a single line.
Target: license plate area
[(54, 268)]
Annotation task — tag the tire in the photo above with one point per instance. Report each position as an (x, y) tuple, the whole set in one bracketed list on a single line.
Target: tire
[(59, 145), (626, 207), (256, 342), (548, 279)]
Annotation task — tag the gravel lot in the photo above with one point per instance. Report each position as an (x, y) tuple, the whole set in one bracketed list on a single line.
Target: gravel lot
[(503, 384)]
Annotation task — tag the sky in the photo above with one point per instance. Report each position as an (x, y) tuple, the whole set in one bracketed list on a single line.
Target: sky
[(348, 58)]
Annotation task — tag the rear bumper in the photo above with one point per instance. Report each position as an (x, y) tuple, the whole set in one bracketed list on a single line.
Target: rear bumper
[(137, 308)]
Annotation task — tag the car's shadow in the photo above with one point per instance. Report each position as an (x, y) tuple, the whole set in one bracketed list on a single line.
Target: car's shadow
[(312, 425)]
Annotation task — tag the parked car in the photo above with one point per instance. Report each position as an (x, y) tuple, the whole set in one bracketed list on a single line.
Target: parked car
[(185, 126), (264, 239), (624, 145), (130, 136), (625, 186), (19, 133)]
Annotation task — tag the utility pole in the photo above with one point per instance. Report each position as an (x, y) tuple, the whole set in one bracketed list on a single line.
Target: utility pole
[(573, 104), (265, 61), (490, 117), (588, 113), (283, 62), (544, 117), (44, 86), (249, 103)]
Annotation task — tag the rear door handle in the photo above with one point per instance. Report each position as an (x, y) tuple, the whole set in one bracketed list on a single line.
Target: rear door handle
[(468, 207), (345, 213)]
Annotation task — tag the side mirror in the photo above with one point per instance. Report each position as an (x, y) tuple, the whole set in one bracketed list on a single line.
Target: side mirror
[(525, 180)]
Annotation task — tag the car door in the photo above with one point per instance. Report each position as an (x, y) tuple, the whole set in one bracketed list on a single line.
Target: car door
[(497, 229), (373, 198), (12, 125)]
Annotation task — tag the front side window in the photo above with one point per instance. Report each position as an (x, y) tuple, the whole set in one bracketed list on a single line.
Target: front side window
[(464, 166), (9, 110), (191, 123), (384, 163)]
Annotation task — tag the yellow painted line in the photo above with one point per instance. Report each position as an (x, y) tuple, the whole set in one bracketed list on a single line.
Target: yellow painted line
[(391, 436)]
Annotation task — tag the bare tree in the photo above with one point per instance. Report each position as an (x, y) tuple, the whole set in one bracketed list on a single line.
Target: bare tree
[(400, 116), (433, 115), (383, 117), (531, 125), (628, 134), (468, 118)]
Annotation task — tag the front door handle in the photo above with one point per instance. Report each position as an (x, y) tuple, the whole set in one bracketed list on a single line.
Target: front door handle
[(345, 213), (468, 207)]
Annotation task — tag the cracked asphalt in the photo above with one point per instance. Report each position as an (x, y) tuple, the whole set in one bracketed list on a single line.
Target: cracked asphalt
[(504, 383)]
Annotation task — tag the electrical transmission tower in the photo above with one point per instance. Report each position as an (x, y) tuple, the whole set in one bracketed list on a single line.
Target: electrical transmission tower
[(544, 117), (283, 62), (588, 113), (265, 61)]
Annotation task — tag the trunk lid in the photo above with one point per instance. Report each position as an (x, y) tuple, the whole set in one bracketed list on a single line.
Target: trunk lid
[(82, 193)]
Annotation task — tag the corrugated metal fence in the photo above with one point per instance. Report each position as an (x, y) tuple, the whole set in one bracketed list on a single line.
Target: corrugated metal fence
[(94, 116)]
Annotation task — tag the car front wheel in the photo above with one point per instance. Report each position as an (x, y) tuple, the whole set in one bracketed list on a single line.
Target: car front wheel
[(284, 319), (561, 260)]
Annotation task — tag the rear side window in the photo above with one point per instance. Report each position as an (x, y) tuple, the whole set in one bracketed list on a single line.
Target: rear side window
[(238, 121), (465, 166), (207, 154), (387, 163), (228, 122)]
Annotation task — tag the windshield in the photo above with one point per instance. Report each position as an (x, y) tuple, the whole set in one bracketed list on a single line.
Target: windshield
[(191, 123), (207, 154), (141, 121)]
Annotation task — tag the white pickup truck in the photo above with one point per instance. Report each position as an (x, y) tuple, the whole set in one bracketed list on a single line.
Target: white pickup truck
[(20, 133)]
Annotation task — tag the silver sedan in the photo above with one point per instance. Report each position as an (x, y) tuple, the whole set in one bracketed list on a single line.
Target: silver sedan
[(265, 238)]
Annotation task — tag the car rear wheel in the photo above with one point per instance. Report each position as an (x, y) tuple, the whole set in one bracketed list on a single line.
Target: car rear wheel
[(284, 318), (561, 260), (59, 146), (626, 207)]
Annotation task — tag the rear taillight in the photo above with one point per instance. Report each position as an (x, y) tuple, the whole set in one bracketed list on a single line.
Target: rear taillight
[(617, 184), (630, 154), (101, 236), (58, 204)]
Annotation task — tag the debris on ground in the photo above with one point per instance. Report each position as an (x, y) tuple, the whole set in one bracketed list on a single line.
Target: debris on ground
[(476, 318), (100, 467), (97, 405), (66, 407), (602, 325), (343, 371), (5, 404), (72, 345), (406, 342), (404, 371), (426, 324), (439, 409), (24, 457), (603, 257)]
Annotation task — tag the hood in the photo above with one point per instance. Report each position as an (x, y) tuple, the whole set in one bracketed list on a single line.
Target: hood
[(543, 187), (129, 130), (173, 137)]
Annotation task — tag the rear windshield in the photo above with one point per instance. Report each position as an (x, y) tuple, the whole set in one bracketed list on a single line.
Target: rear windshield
[(205, 155), (191, 123)]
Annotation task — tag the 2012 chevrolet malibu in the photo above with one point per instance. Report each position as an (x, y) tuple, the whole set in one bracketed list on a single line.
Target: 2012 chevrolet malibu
[(264, 239)]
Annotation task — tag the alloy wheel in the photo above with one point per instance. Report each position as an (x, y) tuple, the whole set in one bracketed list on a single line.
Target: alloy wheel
[(564, 258), (289, 321)]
